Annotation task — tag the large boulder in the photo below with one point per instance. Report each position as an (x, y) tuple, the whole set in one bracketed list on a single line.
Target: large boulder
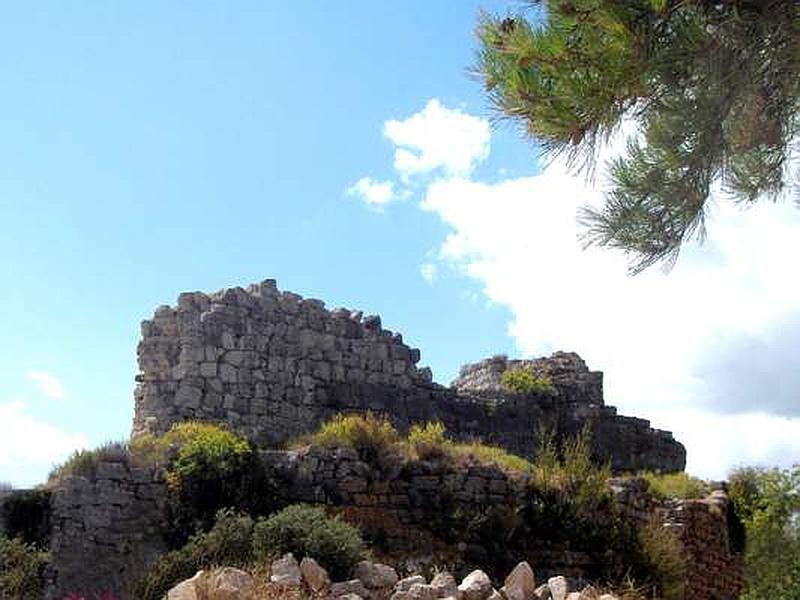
[(230, 584), (558, 587), (314, 575), (476, 586), (375, 576), (520, 584), (190, 589), (444, 584), (286, 572), (405, 584)]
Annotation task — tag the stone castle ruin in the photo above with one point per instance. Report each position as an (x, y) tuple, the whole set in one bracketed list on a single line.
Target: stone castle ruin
[(274, 365)]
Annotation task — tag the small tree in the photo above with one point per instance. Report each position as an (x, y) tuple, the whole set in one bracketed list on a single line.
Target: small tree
[(714, 87)]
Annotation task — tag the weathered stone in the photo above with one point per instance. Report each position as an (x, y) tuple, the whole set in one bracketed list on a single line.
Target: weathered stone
[(405, 584), (520, 583), (444, 584), (314, 575), (423, 591), (230, 584), (189, 589), (353, 586), (286, 572), (558, 587), (495, 595), (375, 575), (542, 592), (476, 586)]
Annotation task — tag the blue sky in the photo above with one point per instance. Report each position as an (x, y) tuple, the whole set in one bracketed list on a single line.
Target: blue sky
[(153, 148)]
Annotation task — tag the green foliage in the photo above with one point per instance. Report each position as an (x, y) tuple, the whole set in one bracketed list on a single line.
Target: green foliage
[(491, 455), (21, 570), (527, 381), (768, 501), (428, 442), (666, 486), (665, 562), (372, 437), (26, 515), (83, 463), (228, 543), (308, 531), (208, 468), (714, 87)]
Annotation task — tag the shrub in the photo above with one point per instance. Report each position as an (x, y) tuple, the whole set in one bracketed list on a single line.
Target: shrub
[(491, 455), (21, 570), (674, 485), (372, 437), (83, 463), (209, 468), (26, 515), (308, 531), (428, 442), (664, 561), (228, 543), (527, 381)]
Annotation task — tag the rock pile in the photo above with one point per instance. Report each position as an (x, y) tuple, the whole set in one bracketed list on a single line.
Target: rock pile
[(375, 581)]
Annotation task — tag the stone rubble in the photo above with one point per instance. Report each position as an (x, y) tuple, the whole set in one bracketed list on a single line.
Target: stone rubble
[(377, 583)]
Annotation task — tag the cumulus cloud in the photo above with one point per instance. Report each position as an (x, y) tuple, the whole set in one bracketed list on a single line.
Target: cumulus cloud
[(30, 447), (438, 138), (705, 351), (375, 193), (48, 384)]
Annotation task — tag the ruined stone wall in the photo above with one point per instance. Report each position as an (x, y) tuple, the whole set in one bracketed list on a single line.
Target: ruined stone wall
[(714, 564), (274, 365), (106, 530), (409, 505)]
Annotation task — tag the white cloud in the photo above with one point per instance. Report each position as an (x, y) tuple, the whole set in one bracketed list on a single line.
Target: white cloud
[(428, 272), (48, 384), (375, 193), (30, 447), (438, 138), (653, 335)]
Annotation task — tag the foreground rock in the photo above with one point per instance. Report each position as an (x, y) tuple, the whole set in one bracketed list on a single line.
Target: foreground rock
[(315, 577), (476, 586), (222, 584), (286, 572), (375, 576), (520, 583)]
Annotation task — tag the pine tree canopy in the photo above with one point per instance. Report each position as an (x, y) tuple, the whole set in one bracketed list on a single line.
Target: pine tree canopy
[(714, 88)]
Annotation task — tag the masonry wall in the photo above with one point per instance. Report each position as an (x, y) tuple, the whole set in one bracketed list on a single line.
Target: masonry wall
[(274, 365), (105, 530), (407, 504), (714, 567)]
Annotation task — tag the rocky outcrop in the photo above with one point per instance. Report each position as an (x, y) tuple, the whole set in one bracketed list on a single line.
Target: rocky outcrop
[(274, 365)]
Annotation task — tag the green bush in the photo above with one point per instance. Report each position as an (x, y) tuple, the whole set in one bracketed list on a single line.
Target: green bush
[(26, 515), (372, 437), (768, 502), (667, 486), (664, 561), (527, 381), (308, 531), (21, 570), (83, 463), (228, 543), (428, 442), (208, 468)]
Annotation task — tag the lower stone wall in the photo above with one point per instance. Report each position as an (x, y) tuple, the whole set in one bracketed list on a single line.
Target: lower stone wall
[(105, 530), (714, 566)]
